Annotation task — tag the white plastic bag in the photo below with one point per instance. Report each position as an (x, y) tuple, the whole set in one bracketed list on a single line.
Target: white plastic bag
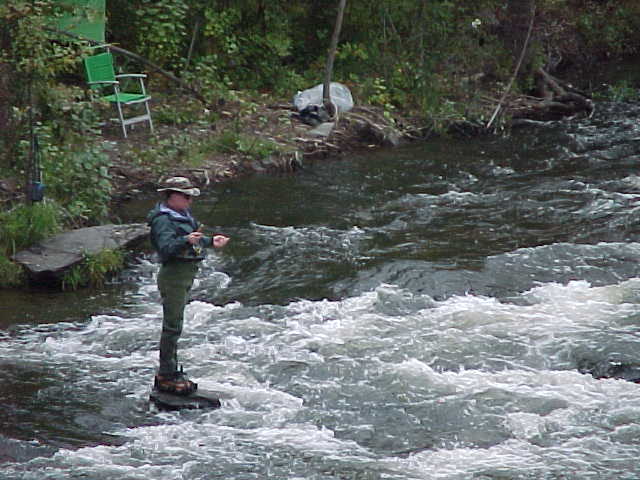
[(340, 97)]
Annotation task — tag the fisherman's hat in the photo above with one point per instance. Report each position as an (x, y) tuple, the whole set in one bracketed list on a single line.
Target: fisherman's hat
[(179, 184)]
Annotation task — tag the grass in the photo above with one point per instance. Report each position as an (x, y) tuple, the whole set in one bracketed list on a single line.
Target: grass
[(94, 270), (25, 225), (11, 274)]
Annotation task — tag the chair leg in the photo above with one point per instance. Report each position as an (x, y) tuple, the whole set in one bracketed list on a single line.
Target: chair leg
[(124, 128), (146, 106)]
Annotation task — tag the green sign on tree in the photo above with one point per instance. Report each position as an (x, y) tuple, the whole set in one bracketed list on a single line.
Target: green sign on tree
[(84, 18)]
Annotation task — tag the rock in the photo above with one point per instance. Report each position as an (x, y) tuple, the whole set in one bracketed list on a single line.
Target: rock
[(322, 130), (384, 135), (391, 137), (8, 185), (200, 399), (50, 259)]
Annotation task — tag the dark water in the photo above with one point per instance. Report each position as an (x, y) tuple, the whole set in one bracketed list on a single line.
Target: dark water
[(420, 313)]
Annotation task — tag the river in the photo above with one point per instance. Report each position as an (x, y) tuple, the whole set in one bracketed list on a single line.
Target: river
[(430, 312)]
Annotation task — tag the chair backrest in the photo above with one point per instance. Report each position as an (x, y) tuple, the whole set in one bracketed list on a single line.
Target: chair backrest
[(99, 68)]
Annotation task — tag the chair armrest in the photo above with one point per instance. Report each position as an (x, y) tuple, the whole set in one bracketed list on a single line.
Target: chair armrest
[(131, 75), (104, 82)]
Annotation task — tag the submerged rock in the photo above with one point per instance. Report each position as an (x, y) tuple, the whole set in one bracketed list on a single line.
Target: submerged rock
[(50, 259)]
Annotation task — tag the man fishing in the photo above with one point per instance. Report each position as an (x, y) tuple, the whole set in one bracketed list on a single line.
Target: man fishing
[(180, 244)]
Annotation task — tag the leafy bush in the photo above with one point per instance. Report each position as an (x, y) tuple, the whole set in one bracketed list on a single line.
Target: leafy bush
[(59, 116), (25, 225), (11, 274), (611, 28), (76, 172), (31, 61), (80, 181), (623, 91), (100, 266), (161, 31), (181, 148), (254, 147), (94, 270)]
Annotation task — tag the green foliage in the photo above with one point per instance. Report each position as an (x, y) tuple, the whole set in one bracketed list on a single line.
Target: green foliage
[(31, 49), (623, 91), (73, 279), (375, 92), (62, 119), (179, 113), (243, 54), (419, 51), (11, 274), (281, 46), (25, 225), (161, 31), (100, 266), (72, 115), (209, 78), (253, 147), (94, 270), (77, 176), (220, 26), (611, 28), (181, 148), (30, 62)]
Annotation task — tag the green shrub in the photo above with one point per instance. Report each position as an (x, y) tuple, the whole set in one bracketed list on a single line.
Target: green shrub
[(94, 270), (11, 274), (611, 29), (254, 147), (25, 225), (77, 176), (73, 279), (623, 91), (32, 60), (162, 152), (161, 31), (102, 265)]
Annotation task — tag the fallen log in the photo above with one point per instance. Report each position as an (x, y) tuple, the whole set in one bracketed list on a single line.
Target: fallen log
[(555, 101)]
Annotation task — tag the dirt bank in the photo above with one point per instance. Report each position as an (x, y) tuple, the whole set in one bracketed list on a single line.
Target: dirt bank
[(275, 140)]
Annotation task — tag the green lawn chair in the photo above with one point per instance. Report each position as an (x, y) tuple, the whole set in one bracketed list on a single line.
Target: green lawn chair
[(101, 75)]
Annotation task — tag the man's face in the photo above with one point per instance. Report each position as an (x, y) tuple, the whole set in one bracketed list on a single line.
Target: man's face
[(179, 201)]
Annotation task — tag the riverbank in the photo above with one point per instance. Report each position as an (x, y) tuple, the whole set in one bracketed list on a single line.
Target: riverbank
[(239, 138), (242, 138), (246, 136)]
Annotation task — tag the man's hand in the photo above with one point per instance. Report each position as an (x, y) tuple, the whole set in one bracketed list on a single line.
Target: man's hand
[(220, 241), (194, 238)]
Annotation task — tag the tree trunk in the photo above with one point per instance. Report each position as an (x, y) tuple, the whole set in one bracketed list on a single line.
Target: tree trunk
[(328, 72)]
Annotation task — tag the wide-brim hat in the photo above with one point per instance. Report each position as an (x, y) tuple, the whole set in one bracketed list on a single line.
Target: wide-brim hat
[(179, 184)]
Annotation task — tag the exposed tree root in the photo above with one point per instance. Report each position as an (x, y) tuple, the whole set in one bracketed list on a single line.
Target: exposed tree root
[(555, 100)]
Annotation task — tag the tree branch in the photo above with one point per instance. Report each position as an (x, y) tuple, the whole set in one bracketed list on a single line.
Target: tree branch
[(515, 73)]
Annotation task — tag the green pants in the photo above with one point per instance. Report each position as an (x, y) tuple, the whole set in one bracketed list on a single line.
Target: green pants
[(174, 282)]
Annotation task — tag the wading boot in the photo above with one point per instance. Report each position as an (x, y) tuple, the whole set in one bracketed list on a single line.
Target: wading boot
[(177, 383)]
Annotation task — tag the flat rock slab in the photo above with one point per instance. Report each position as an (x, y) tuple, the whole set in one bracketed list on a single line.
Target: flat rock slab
[(200, 399), (52, 257), (322, 130)]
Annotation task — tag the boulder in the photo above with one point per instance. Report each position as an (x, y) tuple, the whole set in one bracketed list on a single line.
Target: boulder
[(51, 258), (322, 130)]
